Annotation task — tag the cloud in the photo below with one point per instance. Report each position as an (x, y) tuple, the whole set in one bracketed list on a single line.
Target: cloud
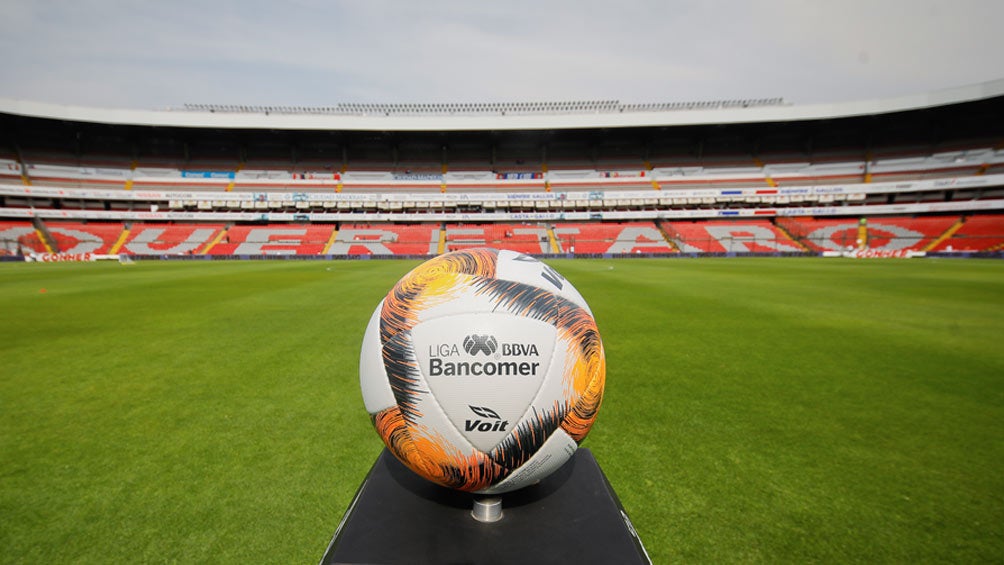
[(858, 48), (316, 52)]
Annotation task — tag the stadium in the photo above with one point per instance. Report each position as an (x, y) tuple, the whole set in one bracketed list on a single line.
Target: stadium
[(801, 305), (914, 175)]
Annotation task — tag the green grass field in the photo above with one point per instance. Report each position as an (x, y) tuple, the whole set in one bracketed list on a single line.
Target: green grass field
[(757, 409)]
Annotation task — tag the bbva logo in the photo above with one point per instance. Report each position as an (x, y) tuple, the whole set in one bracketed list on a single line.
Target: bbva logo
[(475, 343)]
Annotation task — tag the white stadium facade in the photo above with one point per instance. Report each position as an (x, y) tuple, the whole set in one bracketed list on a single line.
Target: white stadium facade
[(914, 175)]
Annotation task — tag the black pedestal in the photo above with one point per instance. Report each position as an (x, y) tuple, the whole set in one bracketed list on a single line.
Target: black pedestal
[(572, 516)]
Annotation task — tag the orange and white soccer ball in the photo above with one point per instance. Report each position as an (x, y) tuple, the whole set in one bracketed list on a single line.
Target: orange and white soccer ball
[(482, 370)]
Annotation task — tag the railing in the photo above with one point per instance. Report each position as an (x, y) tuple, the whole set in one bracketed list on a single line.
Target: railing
[(484, 108)]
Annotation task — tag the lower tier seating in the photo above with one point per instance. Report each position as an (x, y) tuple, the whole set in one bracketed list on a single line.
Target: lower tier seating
[(731, 236), (780, 235), (612, 237), (977, 233), (885, 233)]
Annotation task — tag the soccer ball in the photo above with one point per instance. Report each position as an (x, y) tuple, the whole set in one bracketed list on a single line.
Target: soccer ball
[(482, 370)]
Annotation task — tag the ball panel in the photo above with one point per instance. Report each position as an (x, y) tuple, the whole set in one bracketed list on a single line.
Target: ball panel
[(464, 298), (403, 374), (584, 409), (377, 394), (483, 370), (432, 456), (577, 329), (551, 455), (517, 267), (431, 283), (529, 435), (585, 372), (521, 299)]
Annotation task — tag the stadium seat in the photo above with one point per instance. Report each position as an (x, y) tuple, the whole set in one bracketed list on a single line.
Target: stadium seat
[(977, 233), (72, 237), (386, 239), (886, 233), (19, 237), (731, 236), (169, 239), (611, 237), (515, 237), (274, 240)]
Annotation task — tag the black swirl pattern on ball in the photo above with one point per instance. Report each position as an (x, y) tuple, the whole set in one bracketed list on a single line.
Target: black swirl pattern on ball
[(531, 433), (400, 308), (541, 304), (403, 374)]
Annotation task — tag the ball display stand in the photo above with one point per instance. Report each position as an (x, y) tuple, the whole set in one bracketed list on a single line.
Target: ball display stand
[(571, 516)]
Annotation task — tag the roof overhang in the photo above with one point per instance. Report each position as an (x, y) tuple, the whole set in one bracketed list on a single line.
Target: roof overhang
[(184, 118)]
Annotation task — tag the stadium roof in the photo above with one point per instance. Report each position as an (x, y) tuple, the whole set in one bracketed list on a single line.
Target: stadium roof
[(495, 116)]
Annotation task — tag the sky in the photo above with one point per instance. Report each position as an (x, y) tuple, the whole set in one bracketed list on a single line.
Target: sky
[(165, 53)]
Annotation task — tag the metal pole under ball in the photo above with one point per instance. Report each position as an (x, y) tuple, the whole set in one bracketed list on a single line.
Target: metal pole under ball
[(487, 510)]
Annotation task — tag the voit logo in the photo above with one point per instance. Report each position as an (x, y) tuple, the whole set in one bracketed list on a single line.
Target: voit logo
[(488, 420), (481, 355)]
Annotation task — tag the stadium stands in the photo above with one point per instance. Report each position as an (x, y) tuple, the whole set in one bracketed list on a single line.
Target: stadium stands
[(910, 234), (386, 239), (731, 236), (516, 237), (19, 238), (976, 233), (169, 239), (829, 234), (611, 237), (555, 176), (273, 240), (601, 185), (72, 237), (784, 235), (885, 233)]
